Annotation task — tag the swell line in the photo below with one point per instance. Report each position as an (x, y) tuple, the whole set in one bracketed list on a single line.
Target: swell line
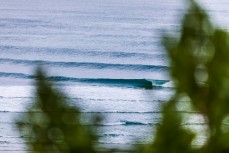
[(89, 65), (69, 51)]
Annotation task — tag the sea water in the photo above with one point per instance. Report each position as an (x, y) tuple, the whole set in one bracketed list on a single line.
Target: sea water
[(106, 55)]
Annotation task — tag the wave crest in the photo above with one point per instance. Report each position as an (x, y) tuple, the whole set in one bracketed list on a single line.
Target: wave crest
[(135, 83)]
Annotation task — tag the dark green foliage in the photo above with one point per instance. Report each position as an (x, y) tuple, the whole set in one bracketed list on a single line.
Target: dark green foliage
[(199, 61), (52, 125)]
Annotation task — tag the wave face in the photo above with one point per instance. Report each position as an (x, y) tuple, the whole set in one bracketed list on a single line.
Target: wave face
[(134, 83)]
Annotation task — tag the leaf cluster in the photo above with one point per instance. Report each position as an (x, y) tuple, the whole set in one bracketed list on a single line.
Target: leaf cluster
[(52, 125), (199, 60)]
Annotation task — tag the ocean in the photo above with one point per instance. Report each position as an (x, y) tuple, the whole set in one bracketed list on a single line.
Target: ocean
[(105, 55)]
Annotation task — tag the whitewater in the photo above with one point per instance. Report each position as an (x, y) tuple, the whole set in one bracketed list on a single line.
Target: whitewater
[(105, 55)]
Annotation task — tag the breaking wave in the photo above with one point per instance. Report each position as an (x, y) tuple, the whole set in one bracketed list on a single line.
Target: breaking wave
[(135, 83)]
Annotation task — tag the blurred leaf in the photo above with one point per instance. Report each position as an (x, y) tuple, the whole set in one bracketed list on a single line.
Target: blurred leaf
[(52, 124), (170, 136), (199, 61)]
